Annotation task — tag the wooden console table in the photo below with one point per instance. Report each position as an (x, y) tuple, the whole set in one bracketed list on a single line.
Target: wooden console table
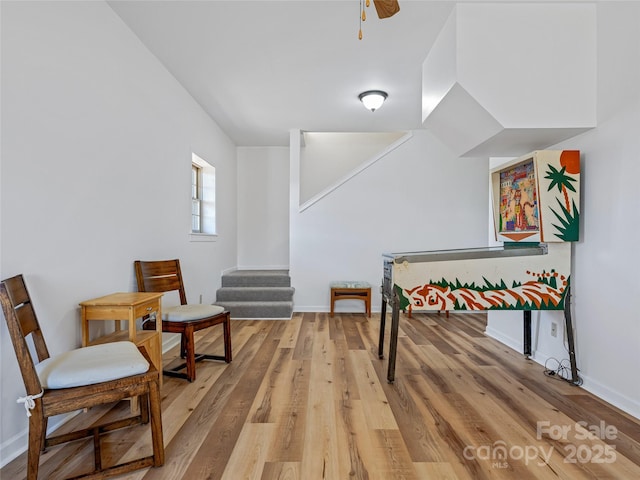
[(351, 291), (129, 307)]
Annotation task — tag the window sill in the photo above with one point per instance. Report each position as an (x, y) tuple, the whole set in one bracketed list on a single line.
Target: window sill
[(203, 237)]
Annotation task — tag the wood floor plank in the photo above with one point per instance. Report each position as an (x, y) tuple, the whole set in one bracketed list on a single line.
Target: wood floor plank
[(390, 448), (415, 422), (304, 343), (282, 399), (252, 452), (416, 331), (281, 471), (292, 331), (336, 329), (374, 400), (452, 442), (279, 368), (351, 332), (320, 459), (348, 408), (441, 471), (345, 373), (370, 332)]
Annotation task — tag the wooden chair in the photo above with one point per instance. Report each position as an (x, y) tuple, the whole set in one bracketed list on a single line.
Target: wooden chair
[(82, 378), (166, 276)]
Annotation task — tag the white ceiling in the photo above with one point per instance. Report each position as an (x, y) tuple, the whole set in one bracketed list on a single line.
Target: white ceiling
[(261, 68)]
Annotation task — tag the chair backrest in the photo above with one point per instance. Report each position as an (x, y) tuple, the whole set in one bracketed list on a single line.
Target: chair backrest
[(22, 321), (160, 276)]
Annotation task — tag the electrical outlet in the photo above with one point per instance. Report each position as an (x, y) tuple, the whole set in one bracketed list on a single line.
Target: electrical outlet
[(554, 329)]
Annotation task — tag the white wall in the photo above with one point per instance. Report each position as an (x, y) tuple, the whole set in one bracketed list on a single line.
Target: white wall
[(605, 260), (418, 197), (263, 207), (328, 157), (96, 152)]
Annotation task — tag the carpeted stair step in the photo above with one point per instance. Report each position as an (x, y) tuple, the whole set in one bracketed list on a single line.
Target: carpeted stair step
[(244, 309), (257, 278), (255, 294)]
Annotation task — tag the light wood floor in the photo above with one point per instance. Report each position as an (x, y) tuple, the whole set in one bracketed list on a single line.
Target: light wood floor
[(308, 399)]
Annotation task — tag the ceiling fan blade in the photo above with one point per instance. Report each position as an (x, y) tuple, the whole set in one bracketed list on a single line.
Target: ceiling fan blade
[(386, 8)]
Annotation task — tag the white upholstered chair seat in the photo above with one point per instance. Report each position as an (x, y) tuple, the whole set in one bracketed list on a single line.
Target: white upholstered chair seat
[(182, 313), (90, 365)]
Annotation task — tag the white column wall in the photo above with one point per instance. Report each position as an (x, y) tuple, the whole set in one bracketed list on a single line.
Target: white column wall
[(263, 207)]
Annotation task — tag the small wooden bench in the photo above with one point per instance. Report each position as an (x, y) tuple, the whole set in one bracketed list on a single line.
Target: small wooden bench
[(351, 291)]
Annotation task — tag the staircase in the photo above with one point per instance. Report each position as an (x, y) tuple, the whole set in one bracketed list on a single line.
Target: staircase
[(257, 294)]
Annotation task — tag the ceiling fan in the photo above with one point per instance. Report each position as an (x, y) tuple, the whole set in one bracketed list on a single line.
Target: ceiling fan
[(384, 8)]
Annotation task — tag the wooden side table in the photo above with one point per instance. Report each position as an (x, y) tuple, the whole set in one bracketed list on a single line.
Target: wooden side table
[(352, 291), (129, 307)]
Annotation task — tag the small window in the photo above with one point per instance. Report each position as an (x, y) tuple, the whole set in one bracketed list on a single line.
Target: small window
[(196, 198), (203, 198)]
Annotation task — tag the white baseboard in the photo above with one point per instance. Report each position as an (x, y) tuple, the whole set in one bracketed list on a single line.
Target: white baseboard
[(13, 447), (624, 403), (499, 336), (169, 340)]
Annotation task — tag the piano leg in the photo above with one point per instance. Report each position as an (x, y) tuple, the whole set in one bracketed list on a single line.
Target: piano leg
[(383, 315), (575, 379), (393, 343), (527, 333)]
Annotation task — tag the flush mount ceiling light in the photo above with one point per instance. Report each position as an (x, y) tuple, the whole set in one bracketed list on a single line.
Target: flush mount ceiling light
[(373, 99)]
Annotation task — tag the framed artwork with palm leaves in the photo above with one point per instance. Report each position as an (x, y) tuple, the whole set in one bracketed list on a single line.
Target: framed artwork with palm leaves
[(536, 198)]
